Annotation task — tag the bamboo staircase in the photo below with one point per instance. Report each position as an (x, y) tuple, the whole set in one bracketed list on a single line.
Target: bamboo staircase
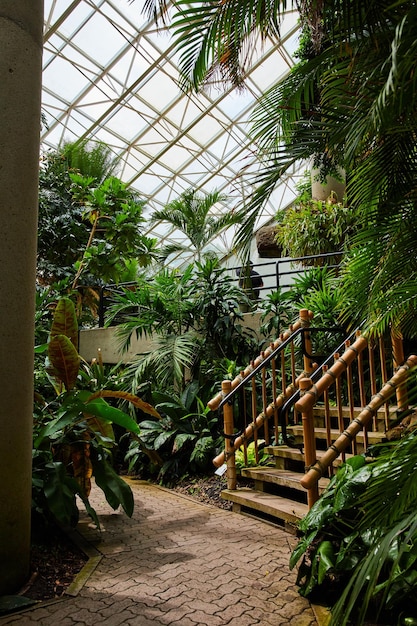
[(308, 414)]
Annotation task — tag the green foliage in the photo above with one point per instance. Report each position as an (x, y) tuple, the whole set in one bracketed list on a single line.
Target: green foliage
[(250, 459), (89, 221), (278, 311), (115, 215), (185, 438), (359, 541), (313, 227), (317, 289), (194, 319), (73, 432), (192, 214)]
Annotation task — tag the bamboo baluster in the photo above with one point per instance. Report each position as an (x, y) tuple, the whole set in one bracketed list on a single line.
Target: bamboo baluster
[(274, 395), (398, 359), (251, 428), (361, 377), (362, 395), (372, 378), (283, 372), (245, 422), (292, 361), (228, 431), (317, 470), (327, 418), (339, 403), (214, 402), (384, 375), (317, 390), (305, 323), (351, 401), (254, 413), (264, 405), (309, 440)]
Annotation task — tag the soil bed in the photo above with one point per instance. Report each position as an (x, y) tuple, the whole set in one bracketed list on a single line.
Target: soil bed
[(55, 561)]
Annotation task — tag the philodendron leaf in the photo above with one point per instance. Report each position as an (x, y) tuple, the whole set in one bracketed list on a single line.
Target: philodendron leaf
[(115, 489), (325, 554), (65, 360), (65, 321)]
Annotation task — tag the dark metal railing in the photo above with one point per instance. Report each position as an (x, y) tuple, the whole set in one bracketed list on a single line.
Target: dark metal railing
[(275, 275)]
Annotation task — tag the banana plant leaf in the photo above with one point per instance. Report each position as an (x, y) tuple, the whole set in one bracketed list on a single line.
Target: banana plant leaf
[(65, 321), (128, 397), (117, 492), (41, 348), (64, 359), (99, 408)]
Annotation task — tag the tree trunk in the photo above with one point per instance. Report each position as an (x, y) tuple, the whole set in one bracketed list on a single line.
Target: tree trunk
[(21, 25)]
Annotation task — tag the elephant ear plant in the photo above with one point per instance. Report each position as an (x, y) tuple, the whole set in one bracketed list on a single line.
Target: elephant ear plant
[(73, 433)]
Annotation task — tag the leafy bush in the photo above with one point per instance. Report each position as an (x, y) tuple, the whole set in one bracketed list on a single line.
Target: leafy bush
[(359, 541), (73, 432), (182, 441), (313, 227), (194, 320)]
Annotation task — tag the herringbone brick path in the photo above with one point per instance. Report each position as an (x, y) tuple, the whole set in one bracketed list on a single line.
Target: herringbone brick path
[(183, 563)]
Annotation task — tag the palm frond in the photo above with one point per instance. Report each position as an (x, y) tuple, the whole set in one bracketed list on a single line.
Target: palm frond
[(214, 34), (166, 364)]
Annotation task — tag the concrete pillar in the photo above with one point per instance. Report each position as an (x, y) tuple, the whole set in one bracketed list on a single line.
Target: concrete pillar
[(20, 79)]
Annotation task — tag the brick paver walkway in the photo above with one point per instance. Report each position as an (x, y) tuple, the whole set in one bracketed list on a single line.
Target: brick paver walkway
[(182, 563)]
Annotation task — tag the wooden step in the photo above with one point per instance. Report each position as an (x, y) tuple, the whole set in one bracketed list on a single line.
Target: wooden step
[(321, 433), (273, 508), (264, 476), (319, 415), (318, 409), (295, 454)]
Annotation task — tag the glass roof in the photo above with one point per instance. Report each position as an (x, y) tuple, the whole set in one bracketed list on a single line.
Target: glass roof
[(111, 75)]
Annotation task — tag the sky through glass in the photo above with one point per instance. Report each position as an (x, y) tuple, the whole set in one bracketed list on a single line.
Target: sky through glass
[(111, 75)]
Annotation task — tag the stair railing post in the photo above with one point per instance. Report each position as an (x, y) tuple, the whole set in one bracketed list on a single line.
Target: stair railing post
[(228, 434), (309, 439), (305, 319)]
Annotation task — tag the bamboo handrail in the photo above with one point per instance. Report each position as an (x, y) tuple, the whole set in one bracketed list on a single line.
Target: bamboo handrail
[(331, 375), (318, 468), (305, 316)]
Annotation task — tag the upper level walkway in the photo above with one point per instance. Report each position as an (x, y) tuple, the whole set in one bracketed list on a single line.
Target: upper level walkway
[(179, 562)]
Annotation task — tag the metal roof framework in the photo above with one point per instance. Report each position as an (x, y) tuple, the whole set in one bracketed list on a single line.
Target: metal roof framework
[(110, 74)]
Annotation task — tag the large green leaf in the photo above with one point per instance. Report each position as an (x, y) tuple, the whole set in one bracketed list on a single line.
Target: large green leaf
[(99, 408), (64, 359), (163, 438), (65, 321), (60, 494), (181, 439), (68, 414), (117, 492), (326, 557)]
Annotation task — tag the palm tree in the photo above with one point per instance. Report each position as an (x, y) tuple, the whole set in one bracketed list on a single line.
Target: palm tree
[(353, 100), (190, 214)]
